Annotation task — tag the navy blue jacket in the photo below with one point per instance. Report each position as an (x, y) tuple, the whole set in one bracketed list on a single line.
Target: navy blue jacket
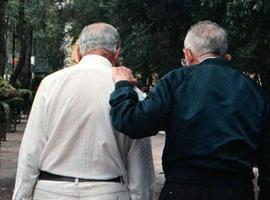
[(216, 121)]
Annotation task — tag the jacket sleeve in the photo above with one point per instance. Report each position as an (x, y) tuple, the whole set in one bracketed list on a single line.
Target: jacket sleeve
[(264, 157), (145, 118), (31, 147), (140, 169)]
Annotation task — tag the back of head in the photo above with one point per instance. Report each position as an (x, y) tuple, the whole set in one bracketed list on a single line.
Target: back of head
[(98, 36), (206, 37)]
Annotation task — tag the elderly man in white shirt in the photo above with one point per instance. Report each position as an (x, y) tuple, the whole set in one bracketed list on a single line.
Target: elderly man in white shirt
[(70, 149)]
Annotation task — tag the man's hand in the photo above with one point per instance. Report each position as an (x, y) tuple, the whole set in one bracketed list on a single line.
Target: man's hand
[(123, 74)]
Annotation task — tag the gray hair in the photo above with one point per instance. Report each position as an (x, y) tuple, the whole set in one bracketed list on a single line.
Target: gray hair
[(206, 36), (98, 36)]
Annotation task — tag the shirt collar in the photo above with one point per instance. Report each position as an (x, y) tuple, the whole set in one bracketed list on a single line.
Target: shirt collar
[(92, 61), (209, 57)]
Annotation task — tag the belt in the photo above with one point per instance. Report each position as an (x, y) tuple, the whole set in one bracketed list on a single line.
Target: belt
[(53, 177)]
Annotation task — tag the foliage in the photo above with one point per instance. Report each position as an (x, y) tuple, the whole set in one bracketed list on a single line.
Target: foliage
[(248, 25), (3, 5), (48, 23), (6, 90), (152, 31)]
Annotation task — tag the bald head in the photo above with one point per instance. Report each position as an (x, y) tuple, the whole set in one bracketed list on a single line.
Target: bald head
[(98, 36)]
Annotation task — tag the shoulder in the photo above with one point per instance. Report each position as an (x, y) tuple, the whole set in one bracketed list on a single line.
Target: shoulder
[(176, 76), (52, 80), (171, 81), (58, 75)]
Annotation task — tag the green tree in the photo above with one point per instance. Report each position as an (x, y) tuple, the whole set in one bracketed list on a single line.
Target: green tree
[(25, 40), (247, 23), (40, 29), (153, 33), (3, 29)]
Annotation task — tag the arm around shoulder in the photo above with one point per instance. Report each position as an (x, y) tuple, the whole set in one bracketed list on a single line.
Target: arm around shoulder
[(145, 118)]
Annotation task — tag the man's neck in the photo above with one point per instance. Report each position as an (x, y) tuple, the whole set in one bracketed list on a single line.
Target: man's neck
[(104, 53)]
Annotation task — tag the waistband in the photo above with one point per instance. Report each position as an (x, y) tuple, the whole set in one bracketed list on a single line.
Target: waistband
[(53, 177)]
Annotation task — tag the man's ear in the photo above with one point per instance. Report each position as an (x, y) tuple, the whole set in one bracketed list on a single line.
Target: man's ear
[(189, 57), (117, 53), (116, 57), (75, 54), (228, 57), (79, 54)]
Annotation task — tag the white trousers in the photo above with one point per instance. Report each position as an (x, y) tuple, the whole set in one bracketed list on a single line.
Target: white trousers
[(59, 190)]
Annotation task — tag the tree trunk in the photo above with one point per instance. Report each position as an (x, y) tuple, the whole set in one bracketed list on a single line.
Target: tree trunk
[(3, 30), (22, 41), (265, 78), (13, 46), (25, 75)]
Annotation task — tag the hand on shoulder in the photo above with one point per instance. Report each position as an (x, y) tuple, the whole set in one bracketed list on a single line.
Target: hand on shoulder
[(123, 74)]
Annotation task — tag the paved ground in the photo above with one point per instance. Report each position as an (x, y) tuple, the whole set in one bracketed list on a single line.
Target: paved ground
[(8, 161), (9, 155)]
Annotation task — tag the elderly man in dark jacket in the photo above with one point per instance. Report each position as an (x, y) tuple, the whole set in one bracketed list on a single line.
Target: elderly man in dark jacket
[(217, 122)]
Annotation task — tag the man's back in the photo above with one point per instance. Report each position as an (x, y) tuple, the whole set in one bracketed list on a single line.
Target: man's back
[(69, 134), (216, 120), (78, 124), (213, 118)]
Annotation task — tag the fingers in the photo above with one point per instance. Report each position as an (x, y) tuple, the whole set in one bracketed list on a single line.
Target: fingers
[(228, 57), (123, 74), (122, 70)]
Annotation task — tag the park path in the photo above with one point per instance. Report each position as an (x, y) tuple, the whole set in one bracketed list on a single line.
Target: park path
[(8, 160), (9, 155)]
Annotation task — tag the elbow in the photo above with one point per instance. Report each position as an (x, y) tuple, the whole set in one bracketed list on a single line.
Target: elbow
[(135, 136), (117, 123), (130, 132)]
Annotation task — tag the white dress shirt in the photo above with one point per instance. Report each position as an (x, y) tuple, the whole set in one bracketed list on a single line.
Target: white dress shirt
[(69, 133)]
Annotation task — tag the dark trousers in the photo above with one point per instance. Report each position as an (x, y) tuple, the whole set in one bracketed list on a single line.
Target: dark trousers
[(177, 191)]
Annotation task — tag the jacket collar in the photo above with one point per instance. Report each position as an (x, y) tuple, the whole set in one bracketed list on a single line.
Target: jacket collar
[(213, 60)]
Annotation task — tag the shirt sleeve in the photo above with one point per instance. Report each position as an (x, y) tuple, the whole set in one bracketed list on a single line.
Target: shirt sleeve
[(264, 157), (145, 118), (140, 168), (32, 145)]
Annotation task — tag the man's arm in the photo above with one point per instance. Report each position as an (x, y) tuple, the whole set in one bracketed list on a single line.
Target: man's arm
[(140, 119), (31, 147), (140, 169), (264, 158)]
